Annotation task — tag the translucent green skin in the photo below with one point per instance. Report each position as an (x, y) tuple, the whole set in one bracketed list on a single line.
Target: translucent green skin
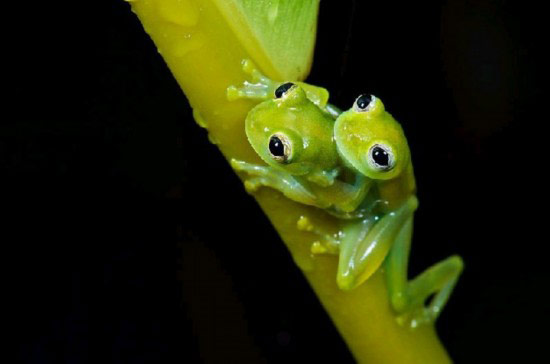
[(356, 132), (309, 174), (328, 167), (307, 129)]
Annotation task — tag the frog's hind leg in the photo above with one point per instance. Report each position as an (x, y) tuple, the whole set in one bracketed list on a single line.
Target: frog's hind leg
[(396, 266), (365, 246), (408, 298), (440, 279)]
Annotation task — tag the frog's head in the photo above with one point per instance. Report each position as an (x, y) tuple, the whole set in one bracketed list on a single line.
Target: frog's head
[(370, 140), (292, 133)]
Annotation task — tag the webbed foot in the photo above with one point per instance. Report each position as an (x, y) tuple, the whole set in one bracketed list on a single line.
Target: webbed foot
[(276, 179), (261, 87), (438, 280), (328, 244), (415, 318), (258, 88), (409, 299)]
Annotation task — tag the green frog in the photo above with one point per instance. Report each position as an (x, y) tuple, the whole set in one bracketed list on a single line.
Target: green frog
[(356, 166)]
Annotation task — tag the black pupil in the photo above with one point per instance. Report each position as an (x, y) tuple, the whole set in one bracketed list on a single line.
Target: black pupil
[(363, 101), (280, 91), (380, 157), (276, 147)]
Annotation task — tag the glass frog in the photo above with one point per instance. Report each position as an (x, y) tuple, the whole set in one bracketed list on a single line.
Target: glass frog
[(356, 166)]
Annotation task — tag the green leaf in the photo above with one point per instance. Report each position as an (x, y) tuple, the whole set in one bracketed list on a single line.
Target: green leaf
[(279, 34)]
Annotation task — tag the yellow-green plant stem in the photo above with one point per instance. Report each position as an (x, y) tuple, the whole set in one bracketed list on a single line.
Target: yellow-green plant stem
[(198, 42)]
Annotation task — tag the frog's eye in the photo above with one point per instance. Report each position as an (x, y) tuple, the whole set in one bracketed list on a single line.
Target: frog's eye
[(364, 103), (279, 148), (283, 89), (381, 158)]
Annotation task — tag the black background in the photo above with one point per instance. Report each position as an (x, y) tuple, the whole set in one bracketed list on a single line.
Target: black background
[(128, 238)]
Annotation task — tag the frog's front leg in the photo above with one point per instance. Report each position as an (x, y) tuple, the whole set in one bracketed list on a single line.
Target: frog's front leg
[(343, 198), (353, 195), (279, 180), (263, 88), (259, 88), (408, 298)]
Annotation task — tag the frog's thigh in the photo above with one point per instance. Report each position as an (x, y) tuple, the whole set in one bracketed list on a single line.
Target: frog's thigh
[(366, 253), (352, 233)]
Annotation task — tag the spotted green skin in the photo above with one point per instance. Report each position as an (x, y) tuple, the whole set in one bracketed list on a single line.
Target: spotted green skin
[(328, 167)]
